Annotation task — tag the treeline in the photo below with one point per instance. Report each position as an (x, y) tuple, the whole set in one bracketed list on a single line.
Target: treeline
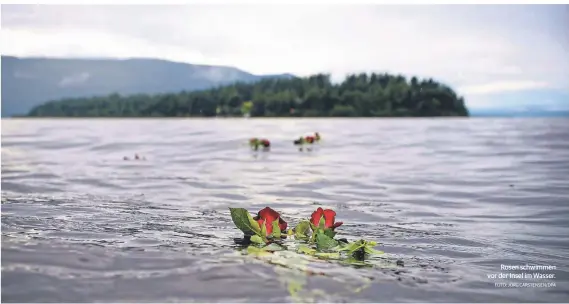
[(363, 95)]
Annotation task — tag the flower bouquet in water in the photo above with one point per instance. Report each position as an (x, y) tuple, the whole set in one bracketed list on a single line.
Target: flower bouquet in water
[(267, 232), (307, 140)]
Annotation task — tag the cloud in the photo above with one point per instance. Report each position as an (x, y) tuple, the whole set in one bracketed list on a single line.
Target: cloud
[(88, 43), (477, 49), (74, 79)]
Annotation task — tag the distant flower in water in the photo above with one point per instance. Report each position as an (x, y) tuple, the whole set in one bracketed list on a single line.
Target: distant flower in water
[(307, 139), (265, 143), (136, 157), (329, 218), (255, 143), (268, 216)]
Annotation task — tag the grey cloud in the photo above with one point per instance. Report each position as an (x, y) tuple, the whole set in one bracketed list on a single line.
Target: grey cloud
[(74, 79), (414, 39)]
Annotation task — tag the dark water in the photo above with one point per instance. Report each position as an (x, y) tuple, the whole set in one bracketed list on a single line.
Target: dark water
[(452, 198)]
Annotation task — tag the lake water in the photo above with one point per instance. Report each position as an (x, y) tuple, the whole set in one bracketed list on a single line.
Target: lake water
[(453, 199)]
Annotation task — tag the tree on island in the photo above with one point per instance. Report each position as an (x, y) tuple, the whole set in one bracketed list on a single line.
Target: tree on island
[(359, 95)]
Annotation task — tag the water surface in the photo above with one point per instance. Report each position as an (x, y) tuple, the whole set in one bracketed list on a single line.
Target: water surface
[(452, 198)]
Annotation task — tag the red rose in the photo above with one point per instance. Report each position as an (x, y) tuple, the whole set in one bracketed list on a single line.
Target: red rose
[(265, 143), (329, 217), (269, 215)]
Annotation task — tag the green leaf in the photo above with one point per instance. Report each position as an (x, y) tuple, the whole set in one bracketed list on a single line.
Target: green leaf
[(313, 227), (273, 247), (359, 249), (330, 233), (253, 223), (324, 242), (257, 251), (354, 246), (264, 229), (253, 249), (294, 288), (327, 255), (306, 250), (322, 223), (244, 221), (276, 229), (257, 239), (354, 262), (370, 250), (301, 230)]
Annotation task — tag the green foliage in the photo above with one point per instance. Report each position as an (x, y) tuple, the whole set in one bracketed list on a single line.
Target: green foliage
[(322, 223), (245, 222), (324, 242), (343, 111), (306, 250), (262, 250), (360, 249), (362, 95), (257, 239), (276, 229), (246, 107), (330, 233), (257, 251), (264, 228), (302, 229), (321, 245), (273, 247), (313, 227), (327, 255)]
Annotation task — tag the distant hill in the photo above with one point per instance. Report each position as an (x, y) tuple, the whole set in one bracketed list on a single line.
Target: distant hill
[(28, 82)]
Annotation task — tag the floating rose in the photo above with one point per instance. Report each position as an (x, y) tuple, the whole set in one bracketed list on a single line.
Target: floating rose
[(261, 229), (265, 143), (268, 216), (255, 143), (316, 237), (329, 218), (309, 139)]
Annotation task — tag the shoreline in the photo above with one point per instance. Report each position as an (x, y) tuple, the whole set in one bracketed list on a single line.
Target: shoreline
[(283, 118), (234, 118)]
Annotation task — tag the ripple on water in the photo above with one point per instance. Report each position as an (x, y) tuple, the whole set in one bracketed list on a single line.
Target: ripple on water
[(451, 199)]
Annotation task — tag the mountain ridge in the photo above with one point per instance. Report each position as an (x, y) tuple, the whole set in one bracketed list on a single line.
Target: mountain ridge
[(31, 81)]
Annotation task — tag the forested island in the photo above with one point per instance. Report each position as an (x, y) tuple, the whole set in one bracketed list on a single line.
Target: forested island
[(361, 95)]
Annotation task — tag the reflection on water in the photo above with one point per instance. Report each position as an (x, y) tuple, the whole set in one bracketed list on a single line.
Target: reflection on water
[(453, 199)]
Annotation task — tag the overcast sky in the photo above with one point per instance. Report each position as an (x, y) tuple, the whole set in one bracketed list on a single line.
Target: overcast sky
[(482, 51)]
